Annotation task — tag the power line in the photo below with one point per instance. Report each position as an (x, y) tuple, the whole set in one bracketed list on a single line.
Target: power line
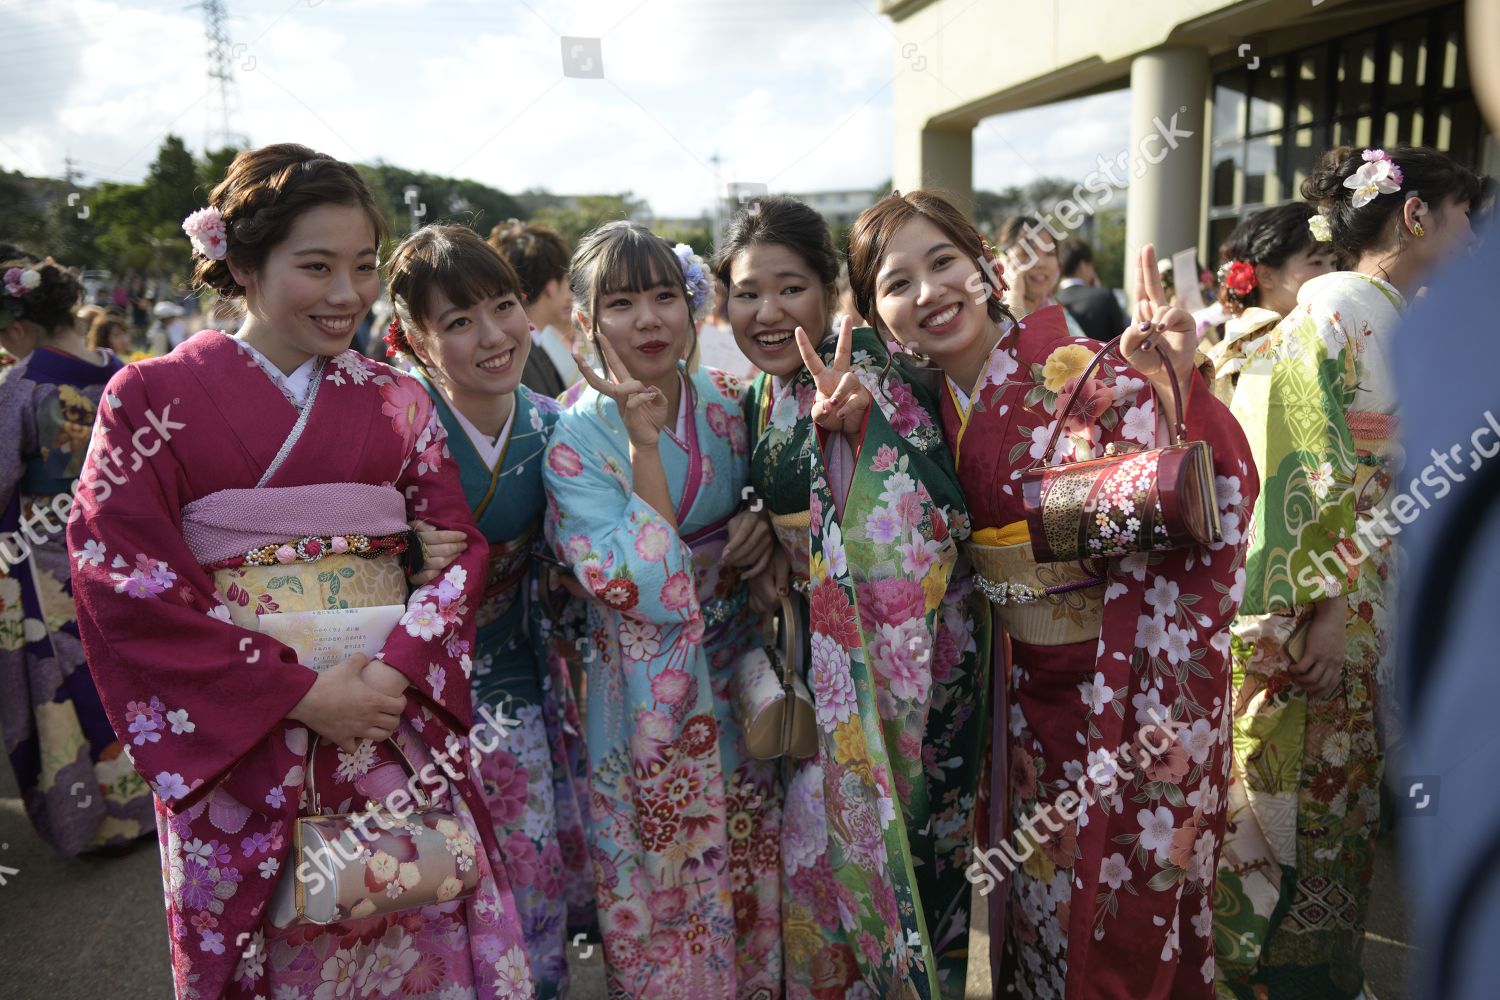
[(223, 93)]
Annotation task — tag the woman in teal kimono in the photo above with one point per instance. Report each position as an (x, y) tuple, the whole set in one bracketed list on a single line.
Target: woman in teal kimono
[(644, 476), (76, 779), (879, 821), (458, 313)]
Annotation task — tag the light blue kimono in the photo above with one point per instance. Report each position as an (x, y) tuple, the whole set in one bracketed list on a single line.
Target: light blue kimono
[(685, 826)]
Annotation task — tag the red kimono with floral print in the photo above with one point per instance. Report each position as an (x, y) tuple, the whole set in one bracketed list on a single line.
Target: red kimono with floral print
[(1116, 902)]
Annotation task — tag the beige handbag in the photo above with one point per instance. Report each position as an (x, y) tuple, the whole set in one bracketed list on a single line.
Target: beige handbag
[(343, 870), (771, 700)]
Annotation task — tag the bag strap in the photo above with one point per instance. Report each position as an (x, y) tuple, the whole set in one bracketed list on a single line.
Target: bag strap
[(418, 793), (1178, 426)]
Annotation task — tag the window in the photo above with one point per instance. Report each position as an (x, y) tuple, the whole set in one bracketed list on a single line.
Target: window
[(1402, 82)]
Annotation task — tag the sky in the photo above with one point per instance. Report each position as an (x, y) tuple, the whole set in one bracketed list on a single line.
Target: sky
[(793, 94)]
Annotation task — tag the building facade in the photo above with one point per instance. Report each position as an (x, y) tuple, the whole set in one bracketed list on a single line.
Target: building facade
[(1231, 103)]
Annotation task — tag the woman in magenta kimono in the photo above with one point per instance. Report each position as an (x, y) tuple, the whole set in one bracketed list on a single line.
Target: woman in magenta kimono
[(292, 467), (1118, 684), (644, 478)]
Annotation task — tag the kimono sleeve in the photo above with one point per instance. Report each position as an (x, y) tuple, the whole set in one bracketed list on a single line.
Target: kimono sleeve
[(189, 693), (624, 552), (432, 643), (17, 429), (1291, 399)]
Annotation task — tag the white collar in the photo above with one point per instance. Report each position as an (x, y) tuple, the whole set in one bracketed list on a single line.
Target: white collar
[(293, 385), (490, 449)]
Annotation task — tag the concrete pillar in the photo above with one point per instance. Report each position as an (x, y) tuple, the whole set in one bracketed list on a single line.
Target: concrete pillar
[(939, 158), (1168, 96)]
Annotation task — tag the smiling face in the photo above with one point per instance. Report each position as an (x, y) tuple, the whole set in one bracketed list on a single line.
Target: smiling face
[(314, 287), (477, 351), (648, 328), (921, 297), (1035, 260), (772, 291)]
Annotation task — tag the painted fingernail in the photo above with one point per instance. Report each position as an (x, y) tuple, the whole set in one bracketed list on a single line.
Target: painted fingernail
[(1161, 328), (1145, 325)]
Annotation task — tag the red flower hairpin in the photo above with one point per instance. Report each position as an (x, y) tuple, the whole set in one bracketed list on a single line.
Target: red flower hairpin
[(1239, 278)]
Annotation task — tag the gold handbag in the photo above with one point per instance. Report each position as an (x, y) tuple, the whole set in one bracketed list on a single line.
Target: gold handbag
[(771, 701), (380, 860)]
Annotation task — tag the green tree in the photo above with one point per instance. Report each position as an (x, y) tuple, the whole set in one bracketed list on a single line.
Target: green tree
[(173, 184), (577, 216)]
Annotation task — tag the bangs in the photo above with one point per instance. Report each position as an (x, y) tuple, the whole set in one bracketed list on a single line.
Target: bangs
[(636, 261), (466, 271)]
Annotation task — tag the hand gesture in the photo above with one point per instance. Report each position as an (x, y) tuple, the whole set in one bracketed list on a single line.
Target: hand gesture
[(344, 707), (1159, 324), (768, 588), (1322, 665), (842, 399), (642, 407), (439, 549), (750, 544)]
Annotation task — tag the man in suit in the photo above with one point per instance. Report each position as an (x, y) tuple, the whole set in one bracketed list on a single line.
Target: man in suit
[(1095, 308)]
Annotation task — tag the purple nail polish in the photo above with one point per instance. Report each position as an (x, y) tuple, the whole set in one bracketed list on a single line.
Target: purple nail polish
[(1144, 325)]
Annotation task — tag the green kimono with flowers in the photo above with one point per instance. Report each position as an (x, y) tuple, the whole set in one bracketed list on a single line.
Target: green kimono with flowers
[(1317, 401), (878, 823)]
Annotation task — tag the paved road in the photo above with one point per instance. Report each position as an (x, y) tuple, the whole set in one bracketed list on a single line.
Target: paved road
[(94, 929)]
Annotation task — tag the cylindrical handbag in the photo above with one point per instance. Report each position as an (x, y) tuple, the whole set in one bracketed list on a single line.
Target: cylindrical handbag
[(340, 869), (771, 701), (1146, 501)]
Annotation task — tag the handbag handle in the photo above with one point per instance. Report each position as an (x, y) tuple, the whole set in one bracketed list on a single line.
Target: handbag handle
[(1179, 428), (418, 793), (787, 631)]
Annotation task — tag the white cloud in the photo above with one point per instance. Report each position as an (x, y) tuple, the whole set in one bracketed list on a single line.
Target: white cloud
[(477, 90)]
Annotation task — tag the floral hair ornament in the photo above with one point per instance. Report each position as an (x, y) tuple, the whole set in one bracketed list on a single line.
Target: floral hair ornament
[(18, 281), (1379, 175), (396, 343), (695, 276), (1322, 232), (1239, 277), (205, 228)]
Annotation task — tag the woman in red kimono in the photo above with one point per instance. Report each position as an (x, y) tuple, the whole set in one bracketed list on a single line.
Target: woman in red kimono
[(273, 472), (1110, 722)]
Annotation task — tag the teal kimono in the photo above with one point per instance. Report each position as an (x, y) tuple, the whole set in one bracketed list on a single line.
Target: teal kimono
[(521, 691)]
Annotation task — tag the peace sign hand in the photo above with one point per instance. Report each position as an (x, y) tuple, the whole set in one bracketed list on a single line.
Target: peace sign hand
[(1158, 324), (842, 399), (642, 407)]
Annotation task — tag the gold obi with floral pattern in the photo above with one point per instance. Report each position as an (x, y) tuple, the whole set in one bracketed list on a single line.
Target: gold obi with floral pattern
[(332, 581), (1017, 586)]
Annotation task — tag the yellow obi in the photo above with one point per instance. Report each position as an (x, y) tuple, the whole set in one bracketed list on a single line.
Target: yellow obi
[(1016, 584), (337, 580), (792, 532)]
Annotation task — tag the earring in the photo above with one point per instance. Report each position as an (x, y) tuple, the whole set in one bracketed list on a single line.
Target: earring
[(1417, 230)]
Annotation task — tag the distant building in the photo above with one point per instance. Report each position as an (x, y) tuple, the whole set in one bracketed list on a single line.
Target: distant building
[(838, 208), (1232, 101)]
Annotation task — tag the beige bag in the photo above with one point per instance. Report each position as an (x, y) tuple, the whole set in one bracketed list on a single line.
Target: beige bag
[(336, 872), (771, 700)]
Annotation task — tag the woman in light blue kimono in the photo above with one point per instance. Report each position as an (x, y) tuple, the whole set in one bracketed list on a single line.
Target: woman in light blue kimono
[(457, 304), (644, 476)]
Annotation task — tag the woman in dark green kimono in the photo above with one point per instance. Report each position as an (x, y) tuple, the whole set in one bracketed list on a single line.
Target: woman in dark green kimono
[(866, 508), (458, 313)]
